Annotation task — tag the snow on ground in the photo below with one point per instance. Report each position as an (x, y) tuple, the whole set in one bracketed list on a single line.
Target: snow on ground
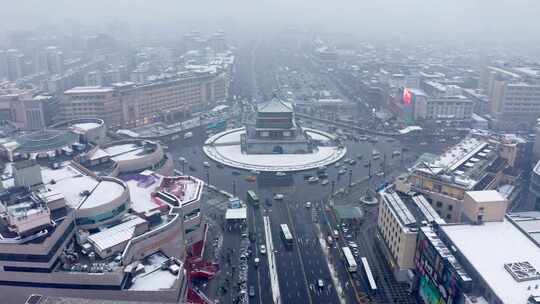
[(231, 155), (86, 126)]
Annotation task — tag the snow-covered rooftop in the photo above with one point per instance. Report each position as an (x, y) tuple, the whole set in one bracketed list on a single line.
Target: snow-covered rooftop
[(185, 189), (446, 164), (85, 126), (73, 182), (127, 151), (491, 247), (486, 196), (89, 90), (140, 193), (275, 106), (153, 277), (104, 192), (115, 235), (399, 208), (529, 222), (236, 214)]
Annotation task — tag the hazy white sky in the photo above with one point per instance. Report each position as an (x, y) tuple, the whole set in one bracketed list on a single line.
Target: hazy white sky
[(518, 19)]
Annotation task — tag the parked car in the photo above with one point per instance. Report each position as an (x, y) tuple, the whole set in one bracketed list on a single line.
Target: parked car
[(262, 249)]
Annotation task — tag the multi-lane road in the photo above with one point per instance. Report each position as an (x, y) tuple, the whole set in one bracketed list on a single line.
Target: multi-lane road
[(300, 267)]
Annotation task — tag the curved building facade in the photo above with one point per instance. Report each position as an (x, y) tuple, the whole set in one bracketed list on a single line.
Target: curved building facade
[(136, 155), (107, 202)]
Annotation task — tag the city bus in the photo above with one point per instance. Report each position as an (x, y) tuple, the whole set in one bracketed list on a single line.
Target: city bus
[(369, 275), (286, 235), (216, 126), (252, 198), (349, 259)]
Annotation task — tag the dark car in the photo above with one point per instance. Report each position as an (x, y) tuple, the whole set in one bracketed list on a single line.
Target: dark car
[(323, 175)]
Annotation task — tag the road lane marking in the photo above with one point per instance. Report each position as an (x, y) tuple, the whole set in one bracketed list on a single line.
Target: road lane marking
[(274, 282)]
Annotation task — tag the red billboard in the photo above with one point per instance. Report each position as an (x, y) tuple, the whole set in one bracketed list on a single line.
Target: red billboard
[(407, 96)]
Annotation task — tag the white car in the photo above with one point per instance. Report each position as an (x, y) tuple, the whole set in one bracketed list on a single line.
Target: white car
[(281, 173), (278, 196), (308, 204), (206, 164), (313, 179), (262, 249)]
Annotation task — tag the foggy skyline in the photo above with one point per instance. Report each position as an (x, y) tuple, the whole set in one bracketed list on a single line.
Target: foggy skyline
[(514, 21)]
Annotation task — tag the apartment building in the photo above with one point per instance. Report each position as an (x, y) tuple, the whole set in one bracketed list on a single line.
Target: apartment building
[(90, 102), (26, 109), (400, 216), (128, 104)]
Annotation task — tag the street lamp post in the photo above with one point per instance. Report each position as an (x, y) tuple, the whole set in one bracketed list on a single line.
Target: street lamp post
[(384, 165), (183, 162), (208, 176), (350, 177), (369, 168), (333, 188), (234, 187)]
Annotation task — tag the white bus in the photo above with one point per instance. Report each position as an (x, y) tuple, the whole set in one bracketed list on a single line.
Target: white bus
[(286, 235), (369, 275), (349, 259)]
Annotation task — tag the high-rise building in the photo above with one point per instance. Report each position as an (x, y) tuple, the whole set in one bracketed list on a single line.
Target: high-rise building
[(514, 95), (217, 41), (25, 108), (3, 65), (49, 60), (14, 64)]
